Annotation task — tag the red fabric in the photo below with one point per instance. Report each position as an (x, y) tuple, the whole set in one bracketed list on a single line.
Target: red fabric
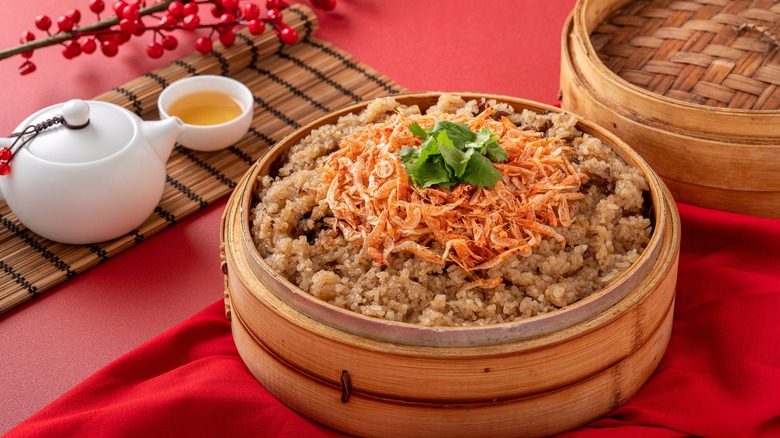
[(188, 381), (720, 376)]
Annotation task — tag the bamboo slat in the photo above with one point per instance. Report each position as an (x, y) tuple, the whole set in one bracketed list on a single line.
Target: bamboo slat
[(292, 85)]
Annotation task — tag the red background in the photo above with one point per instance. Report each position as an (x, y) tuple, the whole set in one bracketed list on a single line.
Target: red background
[(720, 376)]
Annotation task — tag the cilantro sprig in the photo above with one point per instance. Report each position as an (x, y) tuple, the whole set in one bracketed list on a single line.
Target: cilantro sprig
[(452, 154)]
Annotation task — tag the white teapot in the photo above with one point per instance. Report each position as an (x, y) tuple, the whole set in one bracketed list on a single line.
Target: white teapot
[(94, 171)]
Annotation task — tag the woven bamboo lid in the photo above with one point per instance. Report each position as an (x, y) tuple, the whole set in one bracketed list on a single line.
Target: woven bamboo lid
[(720, 53)]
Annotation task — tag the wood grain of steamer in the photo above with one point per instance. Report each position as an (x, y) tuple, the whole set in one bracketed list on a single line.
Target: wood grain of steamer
[(358, 383), (690, 85)]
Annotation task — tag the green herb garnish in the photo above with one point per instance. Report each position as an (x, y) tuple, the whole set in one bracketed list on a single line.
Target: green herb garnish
[(452, 154)]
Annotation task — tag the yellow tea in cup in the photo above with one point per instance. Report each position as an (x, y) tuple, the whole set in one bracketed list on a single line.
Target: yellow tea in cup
[(217, 111), (205, 108)]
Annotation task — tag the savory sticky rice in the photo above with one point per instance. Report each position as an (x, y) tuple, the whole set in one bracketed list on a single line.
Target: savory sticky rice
[(350, 218)]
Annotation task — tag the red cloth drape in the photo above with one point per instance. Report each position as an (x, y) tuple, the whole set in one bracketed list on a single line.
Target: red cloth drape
[(720, 376)]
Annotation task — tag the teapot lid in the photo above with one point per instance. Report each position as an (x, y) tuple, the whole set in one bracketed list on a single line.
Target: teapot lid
[(90, 130)]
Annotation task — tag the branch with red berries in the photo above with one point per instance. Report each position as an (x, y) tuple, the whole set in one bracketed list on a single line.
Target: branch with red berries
[(133, 18)]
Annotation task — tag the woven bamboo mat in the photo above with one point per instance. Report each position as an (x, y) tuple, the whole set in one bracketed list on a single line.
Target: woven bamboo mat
[(720, 53), (292, 85)]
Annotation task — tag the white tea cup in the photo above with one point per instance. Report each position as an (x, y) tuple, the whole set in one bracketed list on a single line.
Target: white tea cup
[(204, 103)]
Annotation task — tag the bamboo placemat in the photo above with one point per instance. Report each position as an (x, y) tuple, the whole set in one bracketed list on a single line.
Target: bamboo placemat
[(292, 85)]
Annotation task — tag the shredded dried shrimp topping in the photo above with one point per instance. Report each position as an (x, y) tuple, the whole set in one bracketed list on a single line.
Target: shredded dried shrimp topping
[(375, 206)]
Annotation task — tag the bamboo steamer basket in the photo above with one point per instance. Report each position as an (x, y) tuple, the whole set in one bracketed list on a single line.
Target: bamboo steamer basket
[(371, 377), (692, 85)]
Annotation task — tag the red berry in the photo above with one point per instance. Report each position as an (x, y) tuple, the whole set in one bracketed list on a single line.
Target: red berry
[(26, 55), (121, 38), (26, 37), (191, 22), (327, 5), (72, 49), (288, 35), (189, 9), (227, 18), (251, 11), (226, 22), (74, 15), (5, 154), (5, 169), (203, 45), (168, 22), (169, 42), (230, 4), (216, 11), (140, 28), (227, 38), (131, 13), (275, 15), (97, 6), (118, 7), (65, 23), (155, 50), (109, 48), (256, 26), (42, 22), (26, 68), (88, 45), (176, 9), (127, 26)]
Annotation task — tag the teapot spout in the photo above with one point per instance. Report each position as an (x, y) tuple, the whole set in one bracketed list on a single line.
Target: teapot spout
[(162, 135)]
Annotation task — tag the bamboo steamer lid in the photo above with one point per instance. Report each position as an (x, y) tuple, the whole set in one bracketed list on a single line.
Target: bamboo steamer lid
[(371, 377), (693, 86)]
